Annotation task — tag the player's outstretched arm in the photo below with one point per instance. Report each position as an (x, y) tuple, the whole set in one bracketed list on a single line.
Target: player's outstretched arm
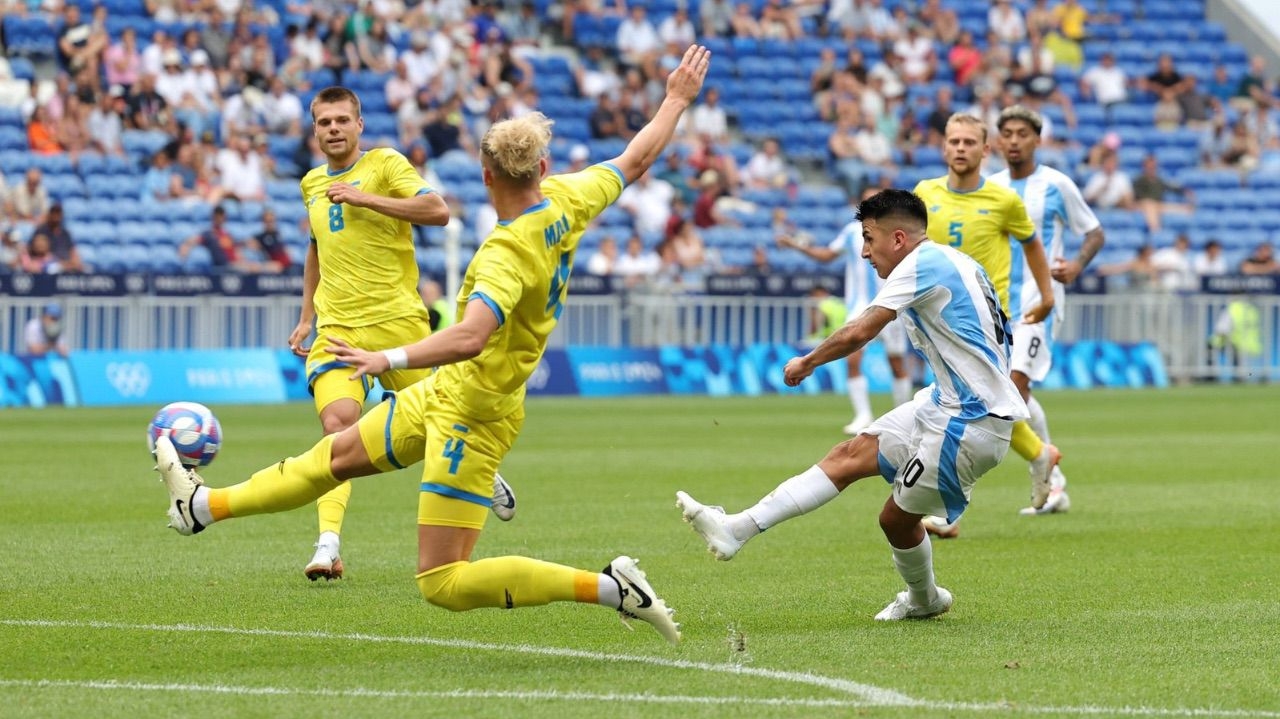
[(683, 85), (842, 343), (1039, 264), (455, 343)]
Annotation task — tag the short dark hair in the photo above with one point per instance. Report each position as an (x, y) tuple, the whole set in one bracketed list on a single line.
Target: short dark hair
[(1024, 114), (893, 203), (336, 93)]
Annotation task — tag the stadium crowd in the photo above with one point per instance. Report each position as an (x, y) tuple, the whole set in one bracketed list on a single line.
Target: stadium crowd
[(199, 108)]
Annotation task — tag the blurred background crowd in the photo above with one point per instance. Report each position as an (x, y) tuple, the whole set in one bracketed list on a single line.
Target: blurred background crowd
[(169, 135)]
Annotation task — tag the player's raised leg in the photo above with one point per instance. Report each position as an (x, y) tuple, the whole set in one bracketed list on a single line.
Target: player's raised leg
[(451, 516)]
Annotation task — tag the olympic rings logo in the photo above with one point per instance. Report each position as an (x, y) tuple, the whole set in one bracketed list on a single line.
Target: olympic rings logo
[(130, 379)]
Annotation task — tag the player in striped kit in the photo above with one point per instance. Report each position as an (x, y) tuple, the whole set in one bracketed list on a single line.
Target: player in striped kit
[(932, 449), (1054, 204), (860, 284)]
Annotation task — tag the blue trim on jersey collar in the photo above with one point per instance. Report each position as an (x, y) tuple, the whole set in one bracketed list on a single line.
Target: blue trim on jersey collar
[(531, 208), (982, 182), (497, 311), (616, 171), (334, 173)]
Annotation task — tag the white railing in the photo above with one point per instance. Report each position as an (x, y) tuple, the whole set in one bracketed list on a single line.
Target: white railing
[(1180, 326)]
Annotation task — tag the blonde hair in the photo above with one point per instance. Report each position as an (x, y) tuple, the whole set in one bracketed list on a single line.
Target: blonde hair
[(964, 118), (514, 147)]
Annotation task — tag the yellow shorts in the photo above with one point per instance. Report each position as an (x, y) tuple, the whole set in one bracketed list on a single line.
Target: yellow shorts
[(459, 455), (330, 380)]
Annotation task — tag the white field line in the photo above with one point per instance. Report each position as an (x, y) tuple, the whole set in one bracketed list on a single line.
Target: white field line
[(865, 695)]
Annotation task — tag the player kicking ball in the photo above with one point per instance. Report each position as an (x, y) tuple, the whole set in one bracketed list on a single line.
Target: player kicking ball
[(932, 449), (463, 420)]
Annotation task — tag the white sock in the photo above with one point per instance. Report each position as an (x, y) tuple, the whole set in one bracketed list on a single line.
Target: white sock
[(200, 506), (858, 396), (915, 566), (802, 493), (329, 541), (609, 592), (901, 390), (1039, 423)]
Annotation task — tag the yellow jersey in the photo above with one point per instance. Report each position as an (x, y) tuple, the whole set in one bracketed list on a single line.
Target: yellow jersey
[(979, 223), (368, 270), (521, 272)]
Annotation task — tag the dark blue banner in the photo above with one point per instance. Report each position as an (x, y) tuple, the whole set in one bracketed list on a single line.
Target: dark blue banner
[(613, 371), (1241, 284), (554, 375)]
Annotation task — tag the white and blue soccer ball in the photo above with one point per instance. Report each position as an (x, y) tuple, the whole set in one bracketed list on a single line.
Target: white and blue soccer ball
[(192, 428)]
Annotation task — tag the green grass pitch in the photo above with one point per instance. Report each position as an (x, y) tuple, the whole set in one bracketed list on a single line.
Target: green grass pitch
[(1156, 596)]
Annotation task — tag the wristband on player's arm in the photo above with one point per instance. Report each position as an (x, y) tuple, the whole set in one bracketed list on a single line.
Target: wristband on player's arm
[(397, 358)]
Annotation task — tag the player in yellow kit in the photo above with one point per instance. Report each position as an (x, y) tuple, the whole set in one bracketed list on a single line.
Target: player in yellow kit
[(979, 218), (462, 420), (360, 283)]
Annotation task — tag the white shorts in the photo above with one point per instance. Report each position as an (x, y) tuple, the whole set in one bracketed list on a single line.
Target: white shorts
[(1032, 352), (933, 459), (893, 336)]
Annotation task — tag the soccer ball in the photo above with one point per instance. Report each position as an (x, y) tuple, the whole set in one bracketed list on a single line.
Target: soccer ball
[(191, 427)]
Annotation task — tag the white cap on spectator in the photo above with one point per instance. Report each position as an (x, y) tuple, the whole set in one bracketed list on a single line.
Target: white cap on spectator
[(172, 57), (579, 153), (199, 57)]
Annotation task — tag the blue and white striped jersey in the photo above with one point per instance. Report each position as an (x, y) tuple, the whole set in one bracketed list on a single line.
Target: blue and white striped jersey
[(1054, 204), (950, 310), (860, 279)]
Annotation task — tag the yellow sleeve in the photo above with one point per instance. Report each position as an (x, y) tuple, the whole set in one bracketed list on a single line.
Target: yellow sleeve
[(498, 280), (1017, 223), (592, 190), (402, 180)]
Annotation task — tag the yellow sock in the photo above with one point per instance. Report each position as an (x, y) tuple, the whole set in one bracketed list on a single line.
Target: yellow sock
[(284, 485), (1025, 442), (507, 582), (332, 507)]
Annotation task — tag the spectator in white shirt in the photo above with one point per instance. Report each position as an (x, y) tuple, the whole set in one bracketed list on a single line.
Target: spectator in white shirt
[(637, 265), (1173, 266), (308, 46), (1006, 22), (678, 29), (282, 110), (915, 52), (1211, 262), (873, 147), (638, 41), (767, 169), (603, 261), (1110, 188), (880, 24), (240, 171), (709, 119), (649, 203), (1106, 83), (419, 60)]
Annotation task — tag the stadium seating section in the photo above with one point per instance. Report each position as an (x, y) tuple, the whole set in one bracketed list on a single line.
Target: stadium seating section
[(119, 232)]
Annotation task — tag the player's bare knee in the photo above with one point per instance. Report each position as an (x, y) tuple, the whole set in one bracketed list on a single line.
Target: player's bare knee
[(852, 460), (348, 457)]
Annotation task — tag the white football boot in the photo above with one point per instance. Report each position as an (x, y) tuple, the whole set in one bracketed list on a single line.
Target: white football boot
[(639, 601), (182, 484), (903, 608), (709, 522), (1041, 470), (504, 499), (858, 424)]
